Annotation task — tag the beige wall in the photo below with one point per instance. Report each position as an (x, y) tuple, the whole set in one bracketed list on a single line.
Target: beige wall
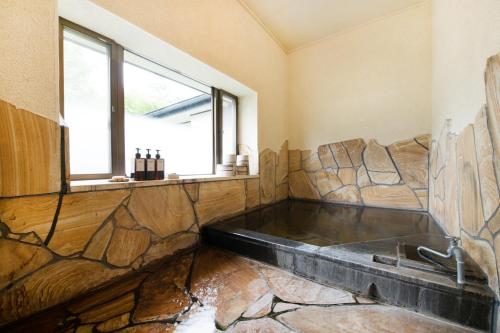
[(371, 82), (223, 35), (464, 34), (29, 56)]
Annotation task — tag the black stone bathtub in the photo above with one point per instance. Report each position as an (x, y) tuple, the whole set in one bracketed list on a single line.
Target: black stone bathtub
[(370, 251)]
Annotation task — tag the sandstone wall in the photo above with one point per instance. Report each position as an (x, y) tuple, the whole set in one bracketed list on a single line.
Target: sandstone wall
[(465, 180), (360, 173)]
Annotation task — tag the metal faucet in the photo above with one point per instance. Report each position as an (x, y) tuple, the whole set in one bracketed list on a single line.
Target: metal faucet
[(454, 250)]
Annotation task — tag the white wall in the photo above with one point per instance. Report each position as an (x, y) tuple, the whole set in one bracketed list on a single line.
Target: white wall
[(29, 56), (464, 34), (372, 81)]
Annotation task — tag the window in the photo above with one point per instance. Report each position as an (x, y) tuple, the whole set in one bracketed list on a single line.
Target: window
[(115, 101)]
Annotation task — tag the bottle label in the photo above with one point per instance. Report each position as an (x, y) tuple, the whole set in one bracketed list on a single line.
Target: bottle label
[(160, 164), (150, 164), (140, 165)]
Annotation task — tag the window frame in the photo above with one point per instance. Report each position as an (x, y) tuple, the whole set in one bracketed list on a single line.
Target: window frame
[(220, 93), (117, 99)]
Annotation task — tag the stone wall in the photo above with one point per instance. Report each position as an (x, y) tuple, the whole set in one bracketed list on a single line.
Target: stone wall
[(360, 173), (465, 180), (51, 254)]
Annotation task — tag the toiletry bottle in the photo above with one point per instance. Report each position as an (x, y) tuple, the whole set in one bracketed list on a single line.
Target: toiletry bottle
[(139, 166), (160, 166), (150, 166)]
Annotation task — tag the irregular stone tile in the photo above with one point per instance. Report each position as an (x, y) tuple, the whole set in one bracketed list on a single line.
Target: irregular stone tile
[(85, 329), (469, 195), (347, 176), (226, 282), (340, 155), (218, 199), (50, 321), (433, 159), (19, 259), (305, 154), (80, 217), (484, 153), (363, 318), (452, 221), (312, 178), (346, 194), (107, 294), (355, 149), (163, 294), (114, 323), (293, 289), (486, 235), (169, 246), (252, 193), (492, 83), (424, 140), (99, 242), (312, 163), (26, 214), (261, 307), (149, 328), (31, 238), (282, 191), (282, 164), (494, 222), (326, 157), (377, 158), (439, 186), (422, 196), (364, 300), (327, 181), (411, 159), (396, 196), (294, 160), (165, 210), (263, 325), (301, 187), (267, 172), (126, 245), (123, 218), (109, 310), (384, 178), (53, 284), (442, 147), (31, 152), (362, 177), (280, 307), (192, 190), (482, 253)]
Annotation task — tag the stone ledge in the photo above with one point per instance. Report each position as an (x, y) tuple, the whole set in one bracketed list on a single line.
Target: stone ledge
[(104, 184)]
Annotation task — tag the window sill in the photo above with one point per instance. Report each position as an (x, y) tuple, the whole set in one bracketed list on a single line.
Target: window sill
[(104, 184)]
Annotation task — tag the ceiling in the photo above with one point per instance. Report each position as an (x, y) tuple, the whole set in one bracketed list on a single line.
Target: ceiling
[(296, 23)]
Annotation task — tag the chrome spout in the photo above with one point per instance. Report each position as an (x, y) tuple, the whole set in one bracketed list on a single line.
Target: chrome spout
[(454, 250)]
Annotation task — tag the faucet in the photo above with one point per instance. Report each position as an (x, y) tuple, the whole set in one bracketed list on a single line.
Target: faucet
[(454, 250)]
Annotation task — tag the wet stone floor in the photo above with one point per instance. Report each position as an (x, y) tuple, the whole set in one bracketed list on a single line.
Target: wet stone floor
[(212, 290)]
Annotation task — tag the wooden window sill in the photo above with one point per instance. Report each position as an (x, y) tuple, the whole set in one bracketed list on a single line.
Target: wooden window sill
[(104, 184)]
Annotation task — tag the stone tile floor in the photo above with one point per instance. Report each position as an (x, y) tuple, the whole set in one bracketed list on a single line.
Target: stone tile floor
[(212, 290)]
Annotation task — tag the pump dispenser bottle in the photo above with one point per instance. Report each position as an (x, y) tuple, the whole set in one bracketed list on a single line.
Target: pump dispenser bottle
[(139, 166), (150, 166), (160, 166)]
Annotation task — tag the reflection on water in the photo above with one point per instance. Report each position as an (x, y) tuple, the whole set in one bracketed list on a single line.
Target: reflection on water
[(325, 224)]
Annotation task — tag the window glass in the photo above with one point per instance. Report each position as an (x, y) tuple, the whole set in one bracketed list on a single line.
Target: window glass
[(228, 125), (87, 102), (169, 112)]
